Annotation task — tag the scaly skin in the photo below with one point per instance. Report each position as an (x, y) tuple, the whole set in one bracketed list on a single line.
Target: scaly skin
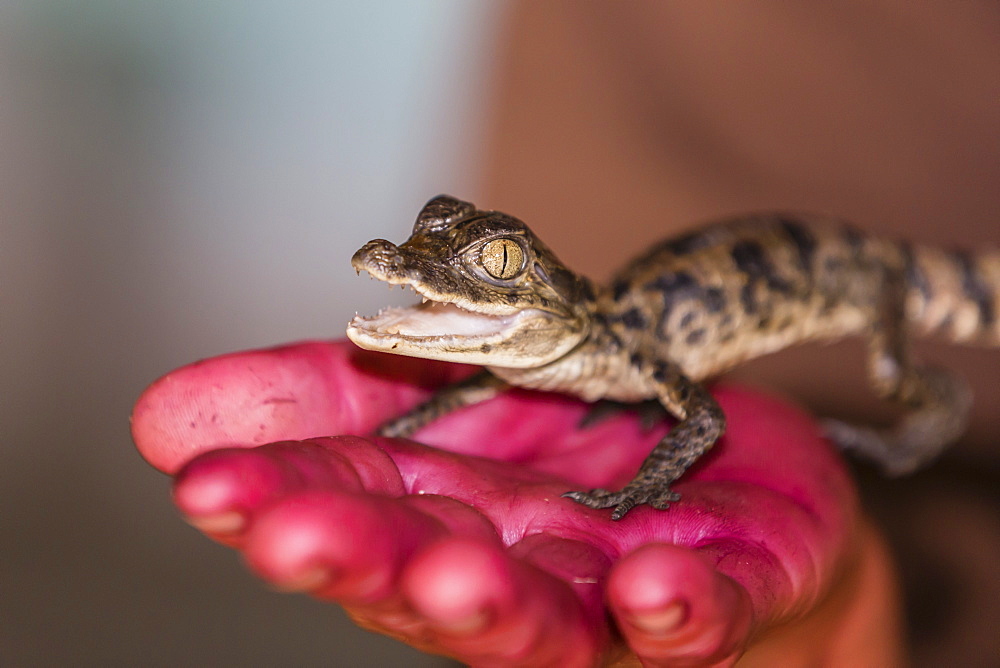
[(689, 309)]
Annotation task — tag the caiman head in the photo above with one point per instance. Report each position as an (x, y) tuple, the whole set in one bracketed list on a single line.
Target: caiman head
[(493, 293)]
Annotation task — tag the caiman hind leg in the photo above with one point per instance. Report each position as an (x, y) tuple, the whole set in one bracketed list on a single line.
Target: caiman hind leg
[(701, 424), (937, 402), (473, 390)]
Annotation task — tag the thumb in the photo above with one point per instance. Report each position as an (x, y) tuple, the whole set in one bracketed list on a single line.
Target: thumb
[(291, 392)]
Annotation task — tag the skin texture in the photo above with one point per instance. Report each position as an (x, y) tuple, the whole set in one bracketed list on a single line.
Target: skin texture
[(469, 551), (690, 308)]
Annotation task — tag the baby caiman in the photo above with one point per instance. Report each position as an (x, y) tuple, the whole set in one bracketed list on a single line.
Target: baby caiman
[(687, 310)]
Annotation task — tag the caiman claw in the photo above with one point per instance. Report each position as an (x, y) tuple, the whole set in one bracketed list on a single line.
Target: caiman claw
[(657, 496)]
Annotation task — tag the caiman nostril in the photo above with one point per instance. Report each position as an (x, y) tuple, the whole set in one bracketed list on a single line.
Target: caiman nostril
[(377, 253)]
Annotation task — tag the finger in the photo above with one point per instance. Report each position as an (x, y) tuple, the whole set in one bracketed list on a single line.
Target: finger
[(769, 542), (343, 546), (484, 606), (288, 393), (581, 565), (799, 538), (673, 608), (220, 491), (304, 390), (855, 623)]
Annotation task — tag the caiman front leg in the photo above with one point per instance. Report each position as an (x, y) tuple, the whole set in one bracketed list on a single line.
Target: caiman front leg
[(701, 424), (474, 389)]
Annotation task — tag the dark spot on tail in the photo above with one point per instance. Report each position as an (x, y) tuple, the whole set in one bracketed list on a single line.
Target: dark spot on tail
[(686, 243), (854, 240), (603, 322), (674, 288), (915, 277), (975, 288), (695, 336), (751, 259), (802, 239), (715, 300), (633, 319)]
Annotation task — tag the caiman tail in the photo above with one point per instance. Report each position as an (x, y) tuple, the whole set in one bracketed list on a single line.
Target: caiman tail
[(953, 294)]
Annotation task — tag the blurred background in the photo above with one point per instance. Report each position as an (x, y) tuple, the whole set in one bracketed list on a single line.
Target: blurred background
[(183, 179)]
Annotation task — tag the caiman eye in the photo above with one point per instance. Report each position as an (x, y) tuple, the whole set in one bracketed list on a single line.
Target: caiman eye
[(502, 258)]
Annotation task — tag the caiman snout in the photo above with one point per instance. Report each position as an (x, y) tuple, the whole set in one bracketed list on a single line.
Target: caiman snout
[(378, 256)]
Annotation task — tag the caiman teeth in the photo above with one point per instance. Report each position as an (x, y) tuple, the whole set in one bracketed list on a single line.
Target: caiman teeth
[(404, 283), (431, 320)]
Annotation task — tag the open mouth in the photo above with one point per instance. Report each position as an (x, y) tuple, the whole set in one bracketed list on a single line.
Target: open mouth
[(429, 323), (445, 327), (431, 320)]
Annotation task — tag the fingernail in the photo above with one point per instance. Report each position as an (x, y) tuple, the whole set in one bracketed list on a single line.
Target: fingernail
[(466, 624), (661, 621), (308, 580), (222, 523)]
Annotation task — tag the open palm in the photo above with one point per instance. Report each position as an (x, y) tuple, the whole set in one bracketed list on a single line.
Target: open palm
[(467, 548)]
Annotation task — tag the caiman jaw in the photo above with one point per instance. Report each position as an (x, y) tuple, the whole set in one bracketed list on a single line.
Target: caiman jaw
[(431, 329), (448, 332), (441, 329)]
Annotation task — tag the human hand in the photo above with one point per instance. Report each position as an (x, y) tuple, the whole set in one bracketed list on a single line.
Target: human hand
[(468, 550)]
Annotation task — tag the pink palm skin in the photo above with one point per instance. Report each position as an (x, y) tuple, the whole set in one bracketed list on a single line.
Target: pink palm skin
[(467, 548)]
